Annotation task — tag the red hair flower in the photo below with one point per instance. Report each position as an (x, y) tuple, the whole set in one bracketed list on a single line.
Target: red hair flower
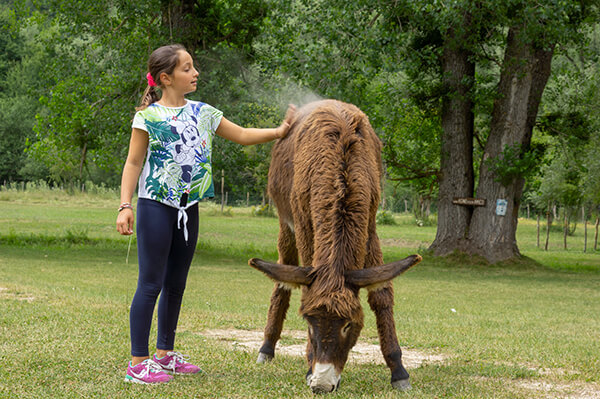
[(151, 81)]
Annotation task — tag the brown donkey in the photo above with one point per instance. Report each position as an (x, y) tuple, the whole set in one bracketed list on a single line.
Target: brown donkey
[(325, 181)]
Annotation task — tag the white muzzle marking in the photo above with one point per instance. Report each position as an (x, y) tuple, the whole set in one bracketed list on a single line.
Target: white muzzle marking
[(324, 378)]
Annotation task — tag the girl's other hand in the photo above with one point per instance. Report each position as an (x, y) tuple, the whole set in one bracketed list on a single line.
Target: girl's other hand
[(282, 130), (125, 222)]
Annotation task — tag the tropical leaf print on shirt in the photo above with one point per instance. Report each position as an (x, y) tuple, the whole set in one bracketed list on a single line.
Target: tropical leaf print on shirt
[(179, 151)]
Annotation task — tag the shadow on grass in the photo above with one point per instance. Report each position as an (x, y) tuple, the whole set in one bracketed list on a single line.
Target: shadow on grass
[(243, 250), (239, 251), (68, 238), (460, 260)]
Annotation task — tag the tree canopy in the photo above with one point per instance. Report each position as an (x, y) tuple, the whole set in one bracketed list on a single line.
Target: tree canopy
[(471, 98)]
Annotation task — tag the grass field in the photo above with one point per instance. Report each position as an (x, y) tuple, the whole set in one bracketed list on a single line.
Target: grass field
[(524, 329)]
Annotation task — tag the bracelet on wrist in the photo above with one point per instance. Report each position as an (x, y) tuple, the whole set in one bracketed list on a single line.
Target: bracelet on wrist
[(125, 205)]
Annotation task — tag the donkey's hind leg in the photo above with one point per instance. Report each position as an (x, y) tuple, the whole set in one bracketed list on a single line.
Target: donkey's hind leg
[(280, 298)]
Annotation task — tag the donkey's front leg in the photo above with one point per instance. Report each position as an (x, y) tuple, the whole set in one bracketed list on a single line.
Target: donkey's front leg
[(309, 358), (280, 298), (280, 302), (382, 304)]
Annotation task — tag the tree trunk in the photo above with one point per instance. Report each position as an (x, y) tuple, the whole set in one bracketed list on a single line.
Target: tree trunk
[(82, 160), (596, 234), (178, 23), (524, 75), (456, 179)]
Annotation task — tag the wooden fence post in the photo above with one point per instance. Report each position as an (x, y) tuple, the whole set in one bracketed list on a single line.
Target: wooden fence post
[(222, 189), (538, 229), (549, 221), (566, 227)]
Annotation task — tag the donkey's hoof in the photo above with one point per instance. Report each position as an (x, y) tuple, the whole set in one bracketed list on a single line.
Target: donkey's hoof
[(264, 358), (401, 385)]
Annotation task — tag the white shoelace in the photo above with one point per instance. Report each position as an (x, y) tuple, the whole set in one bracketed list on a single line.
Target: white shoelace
[(151, 367), (176, 356)]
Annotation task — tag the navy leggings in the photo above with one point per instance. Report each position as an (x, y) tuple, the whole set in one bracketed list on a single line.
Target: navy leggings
[(164, 261)]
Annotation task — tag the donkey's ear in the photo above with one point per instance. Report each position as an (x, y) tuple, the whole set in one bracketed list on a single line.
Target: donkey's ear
[(295, 275), (380, 274)]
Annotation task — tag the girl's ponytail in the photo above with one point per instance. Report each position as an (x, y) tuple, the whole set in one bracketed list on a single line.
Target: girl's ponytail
[(163, 59), (150, 96)]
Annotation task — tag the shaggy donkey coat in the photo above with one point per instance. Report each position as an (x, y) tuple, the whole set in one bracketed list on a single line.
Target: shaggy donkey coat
[(325, 181)]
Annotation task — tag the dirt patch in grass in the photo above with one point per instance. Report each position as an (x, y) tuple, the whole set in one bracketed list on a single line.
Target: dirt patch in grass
[(362, 352), (5, 293), (293, 343), (399, 242)]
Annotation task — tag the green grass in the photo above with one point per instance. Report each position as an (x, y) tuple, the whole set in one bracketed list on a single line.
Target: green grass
[(65, 290)]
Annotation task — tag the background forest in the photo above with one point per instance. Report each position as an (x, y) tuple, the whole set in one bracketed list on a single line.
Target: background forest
[(72, 73)]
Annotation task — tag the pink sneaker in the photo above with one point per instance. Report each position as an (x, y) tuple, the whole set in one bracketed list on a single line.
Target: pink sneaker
[(146, 372), (175, 363)]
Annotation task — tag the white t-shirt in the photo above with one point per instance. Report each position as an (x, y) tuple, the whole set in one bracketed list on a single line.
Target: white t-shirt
[(178, 161)]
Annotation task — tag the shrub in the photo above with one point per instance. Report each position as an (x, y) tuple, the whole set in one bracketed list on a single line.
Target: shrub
[(385, 217), (264, 211), (215, 210)]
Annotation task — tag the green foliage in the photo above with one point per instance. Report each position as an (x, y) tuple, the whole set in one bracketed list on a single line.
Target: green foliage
[(512, 163), (591, 179), (265, 210), (568, 129), (385, 218), (216, 211), (86, 62), (246, 168), (411, 147), (561, 181), (97, 54), (21, 66)]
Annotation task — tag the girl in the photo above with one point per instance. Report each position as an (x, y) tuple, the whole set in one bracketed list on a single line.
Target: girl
[(175, 137)]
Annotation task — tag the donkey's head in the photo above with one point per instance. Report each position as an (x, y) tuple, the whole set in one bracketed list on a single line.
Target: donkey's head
[(331, 306)]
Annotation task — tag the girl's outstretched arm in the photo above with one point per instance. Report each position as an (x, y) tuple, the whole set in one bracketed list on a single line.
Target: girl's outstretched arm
[(247, 136)]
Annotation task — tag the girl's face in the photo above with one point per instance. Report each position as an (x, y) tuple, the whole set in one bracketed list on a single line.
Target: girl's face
[(185, 76)]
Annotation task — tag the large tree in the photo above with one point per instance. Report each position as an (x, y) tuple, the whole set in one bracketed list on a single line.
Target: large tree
[(478, 68), (467, 34)]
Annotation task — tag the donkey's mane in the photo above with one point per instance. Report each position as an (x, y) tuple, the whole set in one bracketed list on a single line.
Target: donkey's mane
[(338, 152)]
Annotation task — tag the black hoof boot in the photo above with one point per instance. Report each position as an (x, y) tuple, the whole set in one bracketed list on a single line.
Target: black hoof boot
[(400, 377), (266, 353)]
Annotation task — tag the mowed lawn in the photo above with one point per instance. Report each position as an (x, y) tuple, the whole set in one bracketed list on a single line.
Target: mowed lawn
[(525, 329)]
